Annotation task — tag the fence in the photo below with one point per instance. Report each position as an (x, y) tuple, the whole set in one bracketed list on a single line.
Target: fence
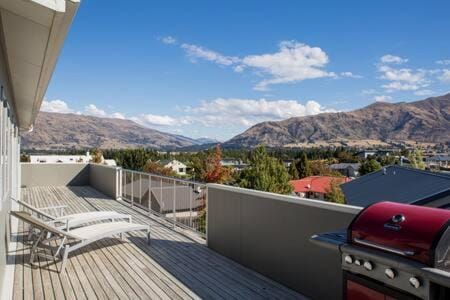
[(181, 202)]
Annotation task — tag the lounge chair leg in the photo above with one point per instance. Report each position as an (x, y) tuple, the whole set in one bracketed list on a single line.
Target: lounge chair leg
[(60, 246), (121, 236), (64, 259), (35, 245), (148, 237)]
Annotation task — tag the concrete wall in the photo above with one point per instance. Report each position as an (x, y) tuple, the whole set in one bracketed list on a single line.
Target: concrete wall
[(270, 233), (54, 174), (104, 179)]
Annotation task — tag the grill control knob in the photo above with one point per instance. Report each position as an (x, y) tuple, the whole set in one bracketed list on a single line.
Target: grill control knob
[(358, 262), (348, 259), (415, 282), (368, 266), (389, 273)]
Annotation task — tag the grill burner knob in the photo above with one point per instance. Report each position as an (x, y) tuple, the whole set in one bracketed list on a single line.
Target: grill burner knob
[(348, 259), (415, 282), (357, 262), (368, 266), (389, 273)]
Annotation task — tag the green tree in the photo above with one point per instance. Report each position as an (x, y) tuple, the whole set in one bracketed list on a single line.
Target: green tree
[(293, 172), (334, 193), (415, 158), (303, 166), (369, 166), (265, 173)]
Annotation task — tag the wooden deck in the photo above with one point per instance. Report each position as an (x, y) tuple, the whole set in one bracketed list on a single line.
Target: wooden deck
[(174, 266)]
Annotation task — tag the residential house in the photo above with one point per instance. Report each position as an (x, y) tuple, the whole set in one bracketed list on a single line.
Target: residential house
[(346, 169), (399, 184), (177, 166), (235, 164), (315, 187), (67, 159), (438, 161)]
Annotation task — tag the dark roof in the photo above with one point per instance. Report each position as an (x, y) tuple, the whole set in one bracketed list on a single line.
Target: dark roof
[(397, 184)]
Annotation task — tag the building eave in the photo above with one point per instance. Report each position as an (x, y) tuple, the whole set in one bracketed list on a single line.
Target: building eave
[(32, 35)]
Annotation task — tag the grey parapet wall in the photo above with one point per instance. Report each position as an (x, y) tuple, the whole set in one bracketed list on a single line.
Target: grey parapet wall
[(270, 233), (58, 174), (105, 179)]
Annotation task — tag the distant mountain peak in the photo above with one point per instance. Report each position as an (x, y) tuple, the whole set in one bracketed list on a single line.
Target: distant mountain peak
[(423, 121)]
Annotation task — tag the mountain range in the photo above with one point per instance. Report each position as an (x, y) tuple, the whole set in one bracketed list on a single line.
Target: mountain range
[(425, 121), (74, 131), (381, 123)]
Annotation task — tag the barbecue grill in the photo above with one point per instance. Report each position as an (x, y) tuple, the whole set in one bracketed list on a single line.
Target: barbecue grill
[(394, 251)]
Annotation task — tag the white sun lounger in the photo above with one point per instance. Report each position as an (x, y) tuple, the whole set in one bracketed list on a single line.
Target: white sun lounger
[(81, 236), (70, 221)]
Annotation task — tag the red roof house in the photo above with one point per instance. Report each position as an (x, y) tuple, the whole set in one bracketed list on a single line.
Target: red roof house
[(315, 186)]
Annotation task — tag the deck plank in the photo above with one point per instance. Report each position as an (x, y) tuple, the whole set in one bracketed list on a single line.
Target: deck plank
[(176, 265)]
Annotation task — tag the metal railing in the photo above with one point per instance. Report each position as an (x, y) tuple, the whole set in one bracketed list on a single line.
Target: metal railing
[(181, 202)]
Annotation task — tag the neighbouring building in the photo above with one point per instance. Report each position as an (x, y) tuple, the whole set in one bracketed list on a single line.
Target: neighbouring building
[(315, 187), (67, 159), (175, 165), (379, 152), (399, 184), (235, 164), (438, 161), (346, 169)]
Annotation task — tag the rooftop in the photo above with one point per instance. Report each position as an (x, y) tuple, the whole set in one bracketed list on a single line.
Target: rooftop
[(316, 184), (177, 265), (398, 184)]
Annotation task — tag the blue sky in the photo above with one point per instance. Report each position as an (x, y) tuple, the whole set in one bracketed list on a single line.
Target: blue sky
[(212, 69)]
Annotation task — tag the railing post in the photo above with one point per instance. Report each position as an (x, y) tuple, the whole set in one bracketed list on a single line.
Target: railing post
[(207, 214), (190, 204), (174, 203), (140, 188), (149, 194), (121, 183), (132, 189), (161, 204)]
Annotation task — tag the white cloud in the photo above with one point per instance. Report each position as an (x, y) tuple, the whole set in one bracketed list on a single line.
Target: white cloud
[(382, 98), (56, 106), (117, 115), (294, 62), (445, 77), (169, 40), (92, 110), (155, 120), (404, 79), (239, 69), (392, 59), (424, 93), (198, 52), (247, 112), (444, 62), (350, 75)]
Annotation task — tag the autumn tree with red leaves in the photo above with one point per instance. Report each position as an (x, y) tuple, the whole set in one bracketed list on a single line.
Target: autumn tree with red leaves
[(213, 171)]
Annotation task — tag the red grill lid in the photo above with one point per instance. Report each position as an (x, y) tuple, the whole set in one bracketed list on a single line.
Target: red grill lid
[(407, 230)]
